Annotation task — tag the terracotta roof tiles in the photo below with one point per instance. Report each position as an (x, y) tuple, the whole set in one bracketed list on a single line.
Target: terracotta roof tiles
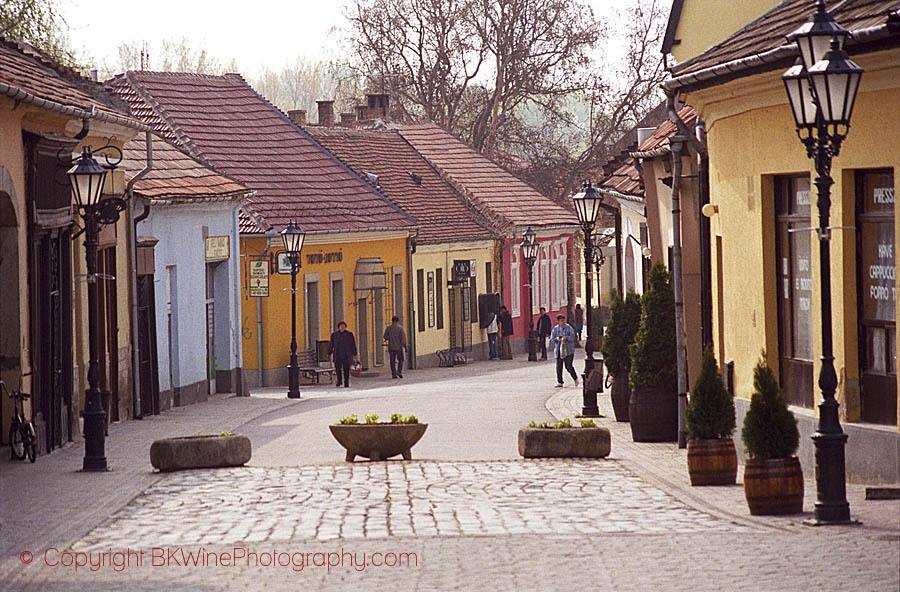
[(407, 179), (495, 192), (223, 122)]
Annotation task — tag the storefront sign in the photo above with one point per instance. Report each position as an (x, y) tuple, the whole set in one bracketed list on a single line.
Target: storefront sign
[(461, 269), (218, 248), (431, 299), (259, 278), (319, 258)]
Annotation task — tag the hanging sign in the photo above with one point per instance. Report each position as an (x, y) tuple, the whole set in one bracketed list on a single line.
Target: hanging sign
[(259, 278)]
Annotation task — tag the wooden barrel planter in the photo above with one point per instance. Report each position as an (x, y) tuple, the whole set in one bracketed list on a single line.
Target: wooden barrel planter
[(653, 413), (774, 486), (712, 462), (620, 395)]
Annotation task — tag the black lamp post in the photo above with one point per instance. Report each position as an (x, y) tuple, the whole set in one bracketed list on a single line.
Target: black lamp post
[(87, 178), (529, 254), (293, 237), (822, 88), (587, 205)]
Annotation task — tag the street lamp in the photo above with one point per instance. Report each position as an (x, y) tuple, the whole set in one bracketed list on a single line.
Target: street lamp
[(587, 205), (87, 178), (529, 254), (293, 237), (821, 89)]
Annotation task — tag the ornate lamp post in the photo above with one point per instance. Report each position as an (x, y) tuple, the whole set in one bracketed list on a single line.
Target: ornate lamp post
[(587, 205), (529, 254), (822, 88), (87, 178), (293, 237)]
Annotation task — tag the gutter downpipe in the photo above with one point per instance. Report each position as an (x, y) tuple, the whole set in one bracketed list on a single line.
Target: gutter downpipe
[(410, 326), (137, 395), (677, 144)]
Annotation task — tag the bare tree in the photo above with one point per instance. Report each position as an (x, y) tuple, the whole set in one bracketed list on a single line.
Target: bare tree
[(38, 23)]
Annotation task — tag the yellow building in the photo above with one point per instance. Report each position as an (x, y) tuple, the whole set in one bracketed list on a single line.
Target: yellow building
[(765, 262), (47, 113)]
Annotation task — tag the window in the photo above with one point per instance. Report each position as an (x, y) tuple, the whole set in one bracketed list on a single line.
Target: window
[(337, 300), (312, 310), (398, 295), (515, 284), (545, 277), (793, 252), (473, 298), (431, 299), (420, 298), (440, 298), (488, 278), (577, 261)]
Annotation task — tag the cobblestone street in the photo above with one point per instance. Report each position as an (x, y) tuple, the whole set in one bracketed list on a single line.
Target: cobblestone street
[(446, 521)]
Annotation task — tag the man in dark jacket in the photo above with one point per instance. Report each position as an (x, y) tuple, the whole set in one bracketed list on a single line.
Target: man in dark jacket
[(396, 341), (506, 331), (545, 326), (342, 349)]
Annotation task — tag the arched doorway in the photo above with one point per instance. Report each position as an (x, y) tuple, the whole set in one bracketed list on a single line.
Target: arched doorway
[(10, 319)]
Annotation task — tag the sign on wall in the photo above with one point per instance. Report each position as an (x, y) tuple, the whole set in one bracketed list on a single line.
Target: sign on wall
[(218, 248), (259, 278)]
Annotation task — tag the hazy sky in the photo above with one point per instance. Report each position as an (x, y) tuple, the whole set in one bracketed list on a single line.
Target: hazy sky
[(256, 34)]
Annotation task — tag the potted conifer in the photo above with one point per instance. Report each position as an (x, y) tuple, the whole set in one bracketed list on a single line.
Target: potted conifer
[(653, 408), (709, 419), (773, 480), (624, 320)]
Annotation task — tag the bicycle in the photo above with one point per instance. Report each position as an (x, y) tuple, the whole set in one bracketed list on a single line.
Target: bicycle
[(22, 438)]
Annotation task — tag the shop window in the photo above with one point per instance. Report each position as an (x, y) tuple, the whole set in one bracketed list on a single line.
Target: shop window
[(515, 284), (440, 298), (420, 298)]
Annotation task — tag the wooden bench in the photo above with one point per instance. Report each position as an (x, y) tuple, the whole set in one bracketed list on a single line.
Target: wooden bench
[(447, 358), (308, 361)]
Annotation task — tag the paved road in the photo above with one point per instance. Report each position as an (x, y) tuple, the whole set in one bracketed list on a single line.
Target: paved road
[(466, 514)]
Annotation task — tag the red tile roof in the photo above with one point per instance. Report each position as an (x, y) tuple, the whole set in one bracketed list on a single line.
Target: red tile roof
[(224, 123), (667, 129), (493, 191), (28, 74), (407, 179), (768, 32), (175, 175), (625, 180)]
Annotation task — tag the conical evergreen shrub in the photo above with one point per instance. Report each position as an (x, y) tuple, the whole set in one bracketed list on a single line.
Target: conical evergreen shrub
[(710, 414), (624, 321), (653, 360), (770, 429)]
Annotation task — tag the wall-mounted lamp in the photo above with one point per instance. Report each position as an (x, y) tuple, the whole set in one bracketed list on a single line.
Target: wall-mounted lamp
[(709, 210), (646, 252)]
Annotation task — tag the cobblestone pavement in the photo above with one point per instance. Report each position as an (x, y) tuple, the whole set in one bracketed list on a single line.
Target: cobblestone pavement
[(376, 500)]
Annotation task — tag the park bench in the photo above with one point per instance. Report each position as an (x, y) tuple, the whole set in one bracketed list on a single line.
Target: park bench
[(448, 358), (310, 367)]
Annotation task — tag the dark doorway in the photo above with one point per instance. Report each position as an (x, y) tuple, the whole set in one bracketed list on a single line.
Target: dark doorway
[(793, 265), (877, 296)]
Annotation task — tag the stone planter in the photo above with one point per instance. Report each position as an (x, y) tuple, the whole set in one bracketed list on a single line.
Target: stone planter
[(200, 452), (564, 442), (774, 486), (378, 441), (712, 462)]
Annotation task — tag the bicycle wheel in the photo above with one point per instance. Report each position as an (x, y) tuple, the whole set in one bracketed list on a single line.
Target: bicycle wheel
[(16, 444), (29, 439)]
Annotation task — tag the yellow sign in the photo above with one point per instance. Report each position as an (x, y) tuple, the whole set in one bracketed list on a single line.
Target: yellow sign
[(218, 248), (259, 278)]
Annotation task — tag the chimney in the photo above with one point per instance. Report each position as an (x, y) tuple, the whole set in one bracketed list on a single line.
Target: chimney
[(643, 133), (326, 113), (94, 76), (298, 116), (348, 120), (379, 106), (362, 113)]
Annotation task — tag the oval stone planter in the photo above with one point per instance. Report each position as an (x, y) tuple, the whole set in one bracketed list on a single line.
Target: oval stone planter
[(564, 442), (774, 486), (712, 462), (200, 452), (378, 441)]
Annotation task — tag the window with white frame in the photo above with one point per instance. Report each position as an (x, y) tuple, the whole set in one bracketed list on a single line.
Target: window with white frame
[(536, 284), (545, 276), (515, 286)]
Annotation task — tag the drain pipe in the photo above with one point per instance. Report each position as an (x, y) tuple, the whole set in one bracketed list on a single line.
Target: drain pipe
[(137, 395), (410, 326), (677, 145)]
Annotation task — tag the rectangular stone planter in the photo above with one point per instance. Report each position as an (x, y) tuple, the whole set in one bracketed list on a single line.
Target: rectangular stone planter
[(564, 442), (200, 452)]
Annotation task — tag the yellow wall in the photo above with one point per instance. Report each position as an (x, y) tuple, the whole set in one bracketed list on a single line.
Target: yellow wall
[(752, 139), (704, 23), (433, 257), (276, 308)]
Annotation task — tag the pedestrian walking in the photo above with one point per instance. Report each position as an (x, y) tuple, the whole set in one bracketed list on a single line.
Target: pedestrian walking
[(506, 331), (492, 330), (563, 339), (396, 340), (545, 326), (579, 321), (342, 349)]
